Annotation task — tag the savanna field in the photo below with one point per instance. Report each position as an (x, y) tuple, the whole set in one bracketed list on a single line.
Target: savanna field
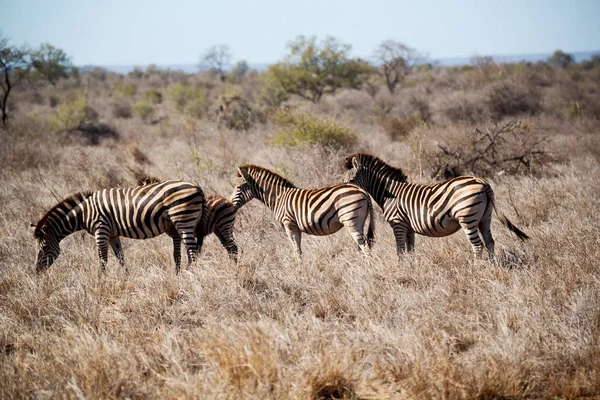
[(434, 324)]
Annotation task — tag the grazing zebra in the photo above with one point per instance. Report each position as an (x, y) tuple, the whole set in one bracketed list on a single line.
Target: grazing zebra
[(431, 210), (314, 211), (143, 212), (220, 219)]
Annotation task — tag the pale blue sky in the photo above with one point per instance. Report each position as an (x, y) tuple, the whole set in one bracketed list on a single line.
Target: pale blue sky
[(124, 32)]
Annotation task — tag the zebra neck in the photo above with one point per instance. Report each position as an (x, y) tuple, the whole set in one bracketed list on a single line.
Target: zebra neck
[(271, 195), (385, 190), (71, 222)]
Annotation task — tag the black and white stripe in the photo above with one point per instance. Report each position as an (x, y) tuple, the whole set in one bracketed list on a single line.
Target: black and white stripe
[(465, 202), (172, 207), (220, 219), (313, 211)]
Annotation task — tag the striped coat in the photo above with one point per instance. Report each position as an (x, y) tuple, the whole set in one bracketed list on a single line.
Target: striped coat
[(465, 202), (172, 207), (313, 211), (220, 219)]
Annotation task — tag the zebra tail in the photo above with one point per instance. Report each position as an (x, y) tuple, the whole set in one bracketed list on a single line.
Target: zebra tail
[(505, 221), (201, 226), (371, 230)]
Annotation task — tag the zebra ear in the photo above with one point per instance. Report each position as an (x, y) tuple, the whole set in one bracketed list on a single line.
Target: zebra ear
[(33, 226), (242, 174), (355, 163)]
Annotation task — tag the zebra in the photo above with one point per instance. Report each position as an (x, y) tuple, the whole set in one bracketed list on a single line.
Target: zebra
[(172, 207), (220, 219), (431, 210), (318, 212)]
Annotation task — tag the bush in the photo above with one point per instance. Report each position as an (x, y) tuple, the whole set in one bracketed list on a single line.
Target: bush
[(144, 109), (507, 99), (400, 128), (92, 132), (304, 129), (68, 116), (53, 101), (122, 110), (188, 100), (464, 110), (511, 148), (235, 113), (153, 96), (123, 88)]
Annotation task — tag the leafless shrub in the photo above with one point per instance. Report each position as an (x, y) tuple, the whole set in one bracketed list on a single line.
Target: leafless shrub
[(511, 148), (122, 109), (53, 101), (139, 156), (399, 128), (462, 109), (93, 132), (235, 113), (508, 99)]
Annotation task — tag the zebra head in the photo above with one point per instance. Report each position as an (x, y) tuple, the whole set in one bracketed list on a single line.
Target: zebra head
[(48, 248), (243, 192), (354, 174)]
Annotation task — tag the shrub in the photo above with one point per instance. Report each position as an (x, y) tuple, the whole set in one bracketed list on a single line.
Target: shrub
[(188, 100), (122, 109), (400, 128), (53, 101), (511, 148), (123, 88), (92, 132), (235, 113), (68, 116), (507, 99), (464, 110), (154, 96), (304, 129), (144, 109)]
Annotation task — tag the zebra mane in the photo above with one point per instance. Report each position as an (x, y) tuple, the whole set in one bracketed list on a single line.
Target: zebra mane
[(147, 180), (70, 201), (262, 174), (376, 165)]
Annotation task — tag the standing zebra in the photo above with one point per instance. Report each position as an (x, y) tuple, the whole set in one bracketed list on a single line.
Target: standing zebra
[(220, 218), (314, 211), (143, 212), (432, 210)]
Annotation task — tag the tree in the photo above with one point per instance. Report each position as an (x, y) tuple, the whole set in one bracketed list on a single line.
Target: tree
[(215, 59), (313, 69), (14, 67), (561, 59), (51, 62), (394, 61)]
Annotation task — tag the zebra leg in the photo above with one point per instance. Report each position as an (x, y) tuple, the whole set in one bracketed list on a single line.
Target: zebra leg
[(473, 236), (102, 242), (295, 237), (115, 244), (177, 252), (410, 242), (229, 243), (191, 245), (400, 233), (358, 236), (486, 233)]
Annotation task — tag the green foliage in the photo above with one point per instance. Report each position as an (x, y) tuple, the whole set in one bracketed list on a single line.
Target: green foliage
[(561, 59), (154, 96), (144, 109), (51, 62), (298, 129), (123, 88), (70, 115), (313, 69), (188, 100), (271, 94)]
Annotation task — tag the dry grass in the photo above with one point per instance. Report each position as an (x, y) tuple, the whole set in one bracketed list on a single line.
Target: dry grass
[(432, 325)]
